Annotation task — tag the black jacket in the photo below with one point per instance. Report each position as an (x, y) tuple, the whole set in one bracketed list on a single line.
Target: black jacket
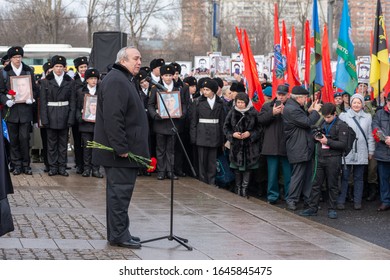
[(207, 134), (274, 142), (164, 126), (337, 138), (57, 117), (121, 122), (297, 128), (83, 125), (248, 149), (19, 112)]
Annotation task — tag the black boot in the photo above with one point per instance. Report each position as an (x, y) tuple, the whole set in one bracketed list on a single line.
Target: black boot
[(96, 173), (238, 178), (372, 189), (245, 183)]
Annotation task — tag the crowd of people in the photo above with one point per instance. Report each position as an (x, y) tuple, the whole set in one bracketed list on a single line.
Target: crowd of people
[(292, 150)]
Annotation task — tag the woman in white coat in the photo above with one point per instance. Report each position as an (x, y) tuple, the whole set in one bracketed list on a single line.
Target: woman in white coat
[(363, 149)]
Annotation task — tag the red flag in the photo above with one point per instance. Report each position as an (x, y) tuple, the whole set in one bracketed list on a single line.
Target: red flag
[(307, 53), (254, 89), (277, 72), (292, 64), (327, 90)]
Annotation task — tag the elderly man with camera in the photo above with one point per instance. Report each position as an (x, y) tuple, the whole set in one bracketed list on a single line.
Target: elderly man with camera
[(299, 143), (331, 137)]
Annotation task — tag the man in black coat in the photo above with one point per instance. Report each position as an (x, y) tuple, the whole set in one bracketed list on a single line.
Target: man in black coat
[(299, 143), (58, 109), (20, 115), (121, 123), (274, 144)]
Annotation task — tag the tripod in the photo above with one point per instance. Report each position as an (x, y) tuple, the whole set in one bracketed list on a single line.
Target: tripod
[(171, 236)]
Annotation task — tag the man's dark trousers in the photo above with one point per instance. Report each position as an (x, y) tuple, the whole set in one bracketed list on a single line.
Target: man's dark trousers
[(119, 190)]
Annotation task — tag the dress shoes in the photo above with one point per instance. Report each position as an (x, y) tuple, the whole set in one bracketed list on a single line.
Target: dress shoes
[(383, 207), (171, 175), (132, 244), (86, 173), (79, 170), (136, 238), (52, 172), (63, 173), (160, 176), (17, 171), (291, 206), (46, 169), (96, 174), (27, 171), (180, 174)]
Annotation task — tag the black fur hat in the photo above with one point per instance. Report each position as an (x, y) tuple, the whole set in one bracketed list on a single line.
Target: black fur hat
[(12, 51), (176, 66), (238, 87), (142, 74), (299, 90), (91, 73), (191, 81), (211, 84), (157, 62), (80, 61), (167, 69), (58, 59)]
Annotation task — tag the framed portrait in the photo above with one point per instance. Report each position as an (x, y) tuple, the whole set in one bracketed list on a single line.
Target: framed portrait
[(23, 88), (186, 68), (236, 67), (363, 71), (363, 59), (202, 65), (222, 65), (173, 103), (235, 56), (89, 108)]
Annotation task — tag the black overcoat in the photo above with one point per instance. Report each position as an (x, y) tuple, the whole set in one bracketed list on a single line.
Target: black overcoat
[(83, 125), (297, 128), (121, 122), (243, 151), (57, 117), (19, 112)]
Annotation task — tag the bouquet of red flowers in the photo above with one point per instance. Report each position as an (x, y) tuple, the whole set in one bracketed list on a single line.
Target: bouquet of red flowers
[(11, 95), (378, 135), (150, 164)]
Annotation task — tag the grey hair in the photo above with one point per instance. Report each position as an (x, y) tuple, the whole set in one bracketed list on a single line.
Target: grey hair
[(122, 54), (295, 96)]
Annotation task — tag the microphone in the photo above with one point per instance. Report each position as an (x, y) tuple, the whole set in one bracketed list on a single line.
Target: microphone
[(158, 85)]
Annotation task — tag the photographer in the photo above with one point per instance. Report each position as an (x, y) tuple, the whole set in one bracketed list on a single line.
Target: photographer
[(331, 137)]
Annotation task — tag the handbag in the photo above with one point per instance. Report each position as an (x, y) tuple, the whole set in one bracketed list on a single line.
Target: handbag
[(224, 174)]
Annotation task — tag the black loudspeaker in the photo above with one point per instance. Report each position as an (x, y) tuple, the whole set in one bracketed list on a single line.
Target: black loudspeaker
[(106, 45)]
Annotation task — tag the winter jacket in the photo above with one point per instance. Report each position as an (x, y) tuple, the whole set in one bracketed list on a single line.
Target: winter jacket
[(361, 148), (382, 122)]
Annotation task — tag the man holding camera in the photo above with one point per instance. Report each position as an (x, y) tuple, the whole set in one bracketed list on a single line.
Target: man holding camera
[(332, 138)]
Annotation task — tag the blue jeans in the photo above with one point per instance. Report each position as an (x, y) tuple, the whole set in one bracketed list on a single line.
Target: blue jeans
[(273, 176), (384, 179), (358, 171)]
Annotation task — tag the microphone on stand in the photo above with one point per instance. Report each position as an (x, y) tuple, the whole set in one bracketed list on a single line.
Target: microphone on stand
[(158, 85)]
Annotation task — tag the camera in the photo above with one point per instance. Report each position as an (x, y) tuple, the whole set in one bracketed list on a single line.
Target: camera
[(278, 103), (317, 133)]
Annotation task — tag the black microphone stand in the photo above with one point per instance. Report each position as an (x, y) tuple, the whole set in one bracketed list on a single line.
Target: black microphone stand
[(171, 236)]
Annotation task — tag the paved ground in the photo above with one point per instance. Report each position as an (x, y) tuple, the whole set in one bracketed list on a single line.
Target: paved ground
[(64, 218)]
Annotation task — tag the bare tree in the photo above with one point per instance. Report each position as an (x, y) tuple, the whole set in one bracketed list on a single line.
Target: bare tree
[(138, 13)]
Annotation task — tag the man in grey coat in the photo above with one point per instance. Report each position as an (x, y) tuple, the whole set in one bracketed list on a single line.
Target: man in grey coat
[(122, 124), (299, 143)]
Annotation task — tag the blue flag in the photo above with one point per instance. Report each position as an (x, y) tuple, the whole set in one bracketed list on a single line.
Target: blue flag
[(5, 129), (346, 77), (316, 50)]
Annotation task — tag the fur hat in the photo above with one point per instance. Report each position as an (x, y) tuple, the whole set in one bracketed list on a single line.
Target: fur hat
[(238, 87), (211, 84), (12, 51), (91, 73), (46, 66), (142, 74), (191, 81), (219, 81), (176, 66), (58, 59), (167, 69), (4, 59), (299, 90), (358, 96), (146, 69), (80, 61), (157, 62)]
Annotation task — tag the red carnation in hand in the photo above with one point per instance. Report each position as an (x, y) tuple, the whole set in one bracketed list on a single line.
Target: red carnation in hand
[(12, 92), (153, 165)]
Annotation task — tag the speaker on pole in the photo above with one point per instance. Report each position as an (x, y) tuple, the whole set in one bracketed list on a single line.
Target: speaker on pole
[(106, 45)]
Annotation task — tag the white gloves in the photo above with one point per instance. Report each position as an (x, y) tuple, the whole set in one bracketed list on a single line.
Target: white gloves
[(29, 101), (10, 103)]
